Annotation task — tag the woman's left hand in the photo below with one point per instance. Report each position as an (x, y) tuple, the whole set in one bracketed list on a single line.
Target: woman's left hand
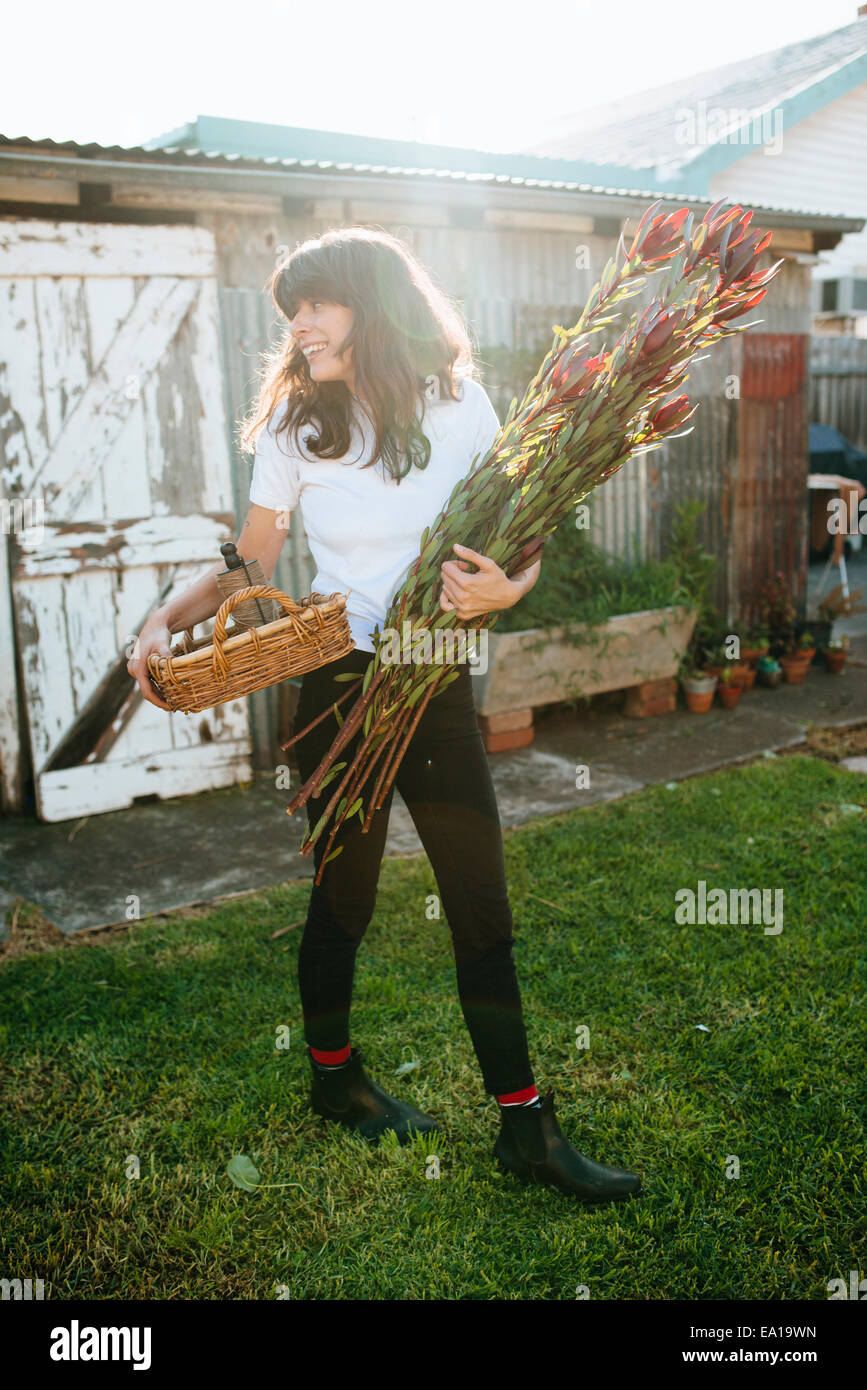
[(487, 591)]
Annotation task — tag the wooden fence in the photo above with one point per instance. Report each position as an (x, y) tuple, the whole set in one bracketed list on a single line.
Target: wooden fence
[(838, 386)]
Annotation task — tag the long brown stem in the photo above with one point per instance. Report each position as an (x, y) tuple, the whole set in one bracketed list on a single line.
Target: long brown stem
[(351, 796), (345, 733), (348, 774), (422, 705), (400, 721), (320, 717)]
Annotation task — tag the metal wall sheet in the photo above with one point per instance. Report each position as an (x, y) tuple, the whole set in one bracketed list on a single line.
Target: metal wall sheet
[(696, 467)]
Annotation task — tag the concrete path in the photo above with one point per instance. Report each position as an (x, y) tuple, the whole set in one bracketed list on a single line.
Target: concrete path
[(159, 856)]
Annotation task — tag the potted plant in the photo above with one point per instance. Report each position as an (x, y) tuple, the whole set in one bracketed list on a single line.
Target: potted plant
[(807, 646), (698, 687), (720, 661), (836, 604), (777, 611), (730, 688), (795, 663), (769, 671), (757, 644), (819, 627), (835, 654)]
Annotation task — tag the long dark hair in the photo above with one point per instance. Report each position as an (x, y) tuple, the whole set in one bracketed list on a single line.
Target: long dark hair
[(405, 331)]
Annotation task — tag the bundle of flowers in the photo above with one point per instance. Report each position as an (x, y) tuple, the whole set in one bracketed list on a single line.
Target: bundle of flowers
[(588, 410)]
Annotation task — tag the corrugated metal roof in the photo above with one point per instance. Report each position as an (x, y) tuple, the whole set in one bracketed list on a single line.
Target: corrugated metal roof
[(640, 131), (189, 158)]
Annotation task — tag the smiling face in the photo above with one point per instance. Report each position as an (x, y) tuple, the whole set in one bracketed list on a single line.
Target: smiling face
[(320, 327)]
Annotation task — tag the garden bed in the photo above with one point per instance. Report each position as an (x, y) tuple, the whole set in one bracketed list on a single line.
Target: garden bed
[(542, 666)]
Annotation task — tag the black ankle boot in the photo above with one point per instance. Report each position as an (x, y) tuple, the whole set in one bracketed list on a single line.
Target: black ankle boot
[(532, 1145), (347, 1095)]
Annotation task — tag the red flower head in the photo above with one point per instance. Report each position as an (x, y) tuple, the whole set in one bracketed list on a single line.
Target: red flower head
[(659, 335), (671, 415), (574, 371), (663, 236)]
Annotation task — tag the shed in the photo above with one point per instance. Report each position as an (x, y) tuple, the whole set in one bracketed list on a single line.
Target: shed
[(132, 316)]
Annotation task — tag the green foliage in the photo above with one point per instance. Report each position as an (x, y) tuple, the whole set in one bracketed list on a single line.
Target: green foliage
[(580, 583), (158, 1042)]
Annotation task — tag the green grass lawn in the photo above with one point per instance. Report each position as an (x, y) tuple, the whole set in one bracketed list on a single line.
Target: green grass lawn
[(159, 1042)]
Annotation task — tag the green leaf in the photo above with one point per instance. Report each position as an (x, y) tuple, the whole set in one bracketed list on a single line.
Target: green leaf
[(339, 717), (243, 1172), (330, 775), (353, 808), (317, 827), (346, 676), (368, 677), (333, 855)]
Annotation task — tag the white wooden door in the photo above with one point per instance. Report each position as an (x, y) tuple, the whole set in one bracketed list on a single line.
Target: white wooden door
[(112, 423)]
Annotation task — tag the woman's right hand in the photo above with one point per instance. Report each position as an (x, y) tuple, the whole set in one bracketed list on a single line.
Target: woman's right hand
[(155, 636)]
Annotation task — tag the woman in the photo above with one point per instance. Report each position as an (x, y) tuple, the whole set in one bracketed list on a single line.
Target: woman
[(367, 417)]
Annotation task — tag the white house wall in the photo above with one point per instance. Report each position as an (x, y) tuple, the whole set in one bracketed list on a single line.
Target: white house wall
[(822, 166)]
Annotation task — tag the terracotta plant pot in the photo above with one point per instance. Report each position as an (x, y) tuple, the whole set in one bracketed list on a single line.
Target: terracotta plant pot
[(699, 703), (807, 655), (749, 678), (835, 660), (729, 694), (752, 654), (699, 693), (737, 669), (795, 668), (818, 628)]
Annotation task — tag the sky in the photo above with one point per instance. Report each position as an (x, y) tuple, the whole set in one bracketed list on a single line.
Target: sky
[(488, 74)]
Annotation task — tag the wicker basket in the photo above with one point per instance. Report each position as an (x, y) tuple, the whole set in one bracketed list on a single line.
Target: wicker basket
[(207, 671)]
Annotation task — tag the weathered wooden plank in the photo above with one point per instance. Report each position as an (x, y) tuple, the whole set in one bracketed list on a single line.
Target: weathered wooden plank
[(63, 330), (23, 422), (89, 598), (69, 547), (112, 786), (94, 649), (38, 190), (11, 751), (46, 667), (213, 429), (137, 593), (124, 474), (91, 429), (34, 247)]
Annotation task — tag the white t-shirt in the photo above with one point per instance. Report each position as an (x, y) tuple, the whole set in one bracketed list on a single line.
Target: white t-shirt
[(363, 526)]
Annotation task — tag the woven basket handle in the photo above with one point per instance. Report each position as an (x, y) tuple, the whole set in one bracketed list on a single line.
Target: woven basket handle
[(221, 665), (241, 596)]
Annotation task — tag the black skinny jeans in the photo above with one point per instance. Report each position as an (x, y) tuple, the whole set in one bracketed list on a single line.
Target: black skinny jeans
[(446, 784)]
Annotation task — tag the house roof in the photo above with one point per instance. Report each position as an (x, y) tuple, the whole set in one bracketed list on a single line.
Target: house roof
[(645, 132), (292, 170), (255, 140)]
